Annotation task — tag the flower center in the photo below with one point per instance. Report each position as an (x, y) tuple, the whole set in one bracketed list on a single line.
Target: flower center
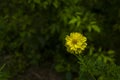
[(74, 41)]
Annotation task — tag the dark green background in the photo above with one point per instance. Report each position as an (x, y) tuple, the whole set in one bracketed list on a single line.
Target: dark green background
[(32, 33)]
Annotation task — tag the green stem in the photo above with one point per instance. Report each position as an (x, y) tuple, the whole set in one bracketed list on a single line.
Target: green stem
[(2, 67)]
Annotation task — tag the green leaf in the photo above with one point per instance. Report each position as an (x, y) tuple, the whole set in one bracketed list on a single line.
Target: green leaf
[(73, 20), (96, 28), (37, 1), (56, 4), (111, 52)]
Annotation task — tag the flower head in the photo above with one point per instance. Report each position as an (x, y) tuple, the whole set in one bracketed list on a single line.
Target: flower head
[(75, 43)]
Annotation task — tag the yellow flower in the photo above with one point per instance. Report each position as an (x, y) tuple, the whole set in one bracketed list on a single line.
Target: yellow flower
[(75, 43)]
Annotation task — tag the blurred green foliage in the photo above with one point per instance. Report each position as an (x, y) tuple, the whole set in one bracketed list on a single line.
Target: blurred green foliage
[(4, 75), (32, 33)]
